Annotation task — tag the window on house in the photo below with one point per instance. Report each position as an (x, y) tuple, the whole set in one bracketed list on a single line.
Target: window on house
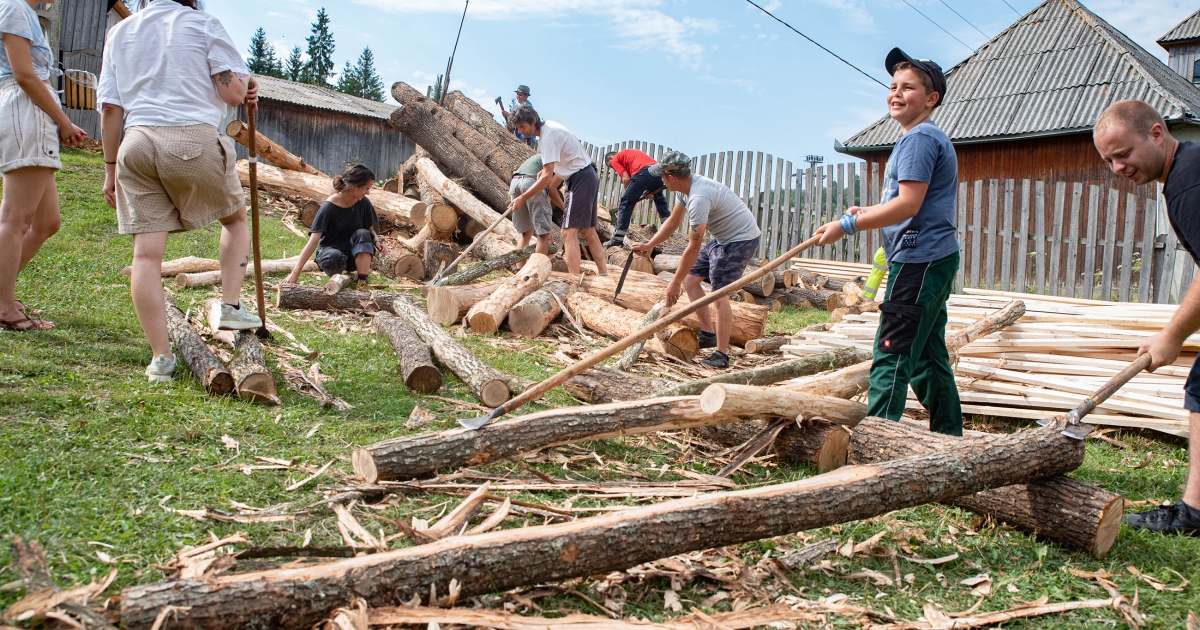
[(1196, 72)]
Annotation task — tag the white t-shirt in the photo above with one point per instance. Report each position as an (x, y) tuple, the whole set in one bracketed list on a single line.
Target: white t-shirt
[(560, 146), (158, 66), (728, 218)]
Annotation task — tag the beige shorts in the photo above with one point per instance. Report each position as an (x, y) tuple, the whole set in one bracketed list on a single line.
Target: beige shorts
[(173, 179), (537, 213), (28, 136)]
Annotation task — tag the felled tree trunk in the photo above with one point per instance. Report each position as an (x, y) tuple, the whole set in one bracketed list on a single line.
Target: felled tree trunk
[(506, 559), (601, 385), (306, 298), (777, 373), (209, 278), (249, 370), (815, 442), (617, 322), (748, 400), (467, 110), (195, 354), (448, 305), (195, 264), (488, 314), (1071, 513), (399, 262), (390, 207), (481, 269), (439, 255), (821, 298), (266, 148), (467, 202), (416, 364), (421, 120), (766, 345), (534, 313)]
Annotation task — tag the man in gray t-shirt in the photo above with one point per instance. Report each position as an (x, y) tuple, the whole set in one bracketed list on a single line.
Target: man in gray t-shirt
[(710, 207)]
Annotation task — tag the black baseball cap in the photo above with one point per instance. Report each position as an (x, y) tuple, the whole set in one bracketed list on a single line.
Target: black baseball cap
[(930, 67)]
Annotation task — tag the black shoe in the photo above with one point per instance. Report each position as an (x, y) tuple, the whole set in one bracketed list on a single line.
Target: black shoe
[(707, 340), (717, 359), (615, 242), (1176, 518)]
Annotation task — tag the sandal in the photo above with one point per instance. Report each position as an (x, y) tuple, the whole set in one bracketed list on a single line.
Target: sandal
[(28, 311), (26, 324)]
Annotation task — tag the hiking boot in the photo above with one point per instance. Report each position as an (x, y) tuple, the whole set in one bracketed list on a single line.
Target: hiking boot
[(614, 241), (1176, 518), (707, 340), (160, 369), (362, 286), (717, 359), (230, 318)]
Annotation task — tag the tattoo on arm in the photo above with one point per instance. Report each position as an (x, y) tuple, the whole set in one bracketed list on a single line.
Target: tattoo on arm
[(225, 77), (695, 235)]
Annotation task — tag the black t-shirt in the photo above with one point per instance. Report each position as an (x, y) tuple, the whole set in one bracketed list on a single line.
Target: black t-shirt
[(1182, 192), (337, 224)]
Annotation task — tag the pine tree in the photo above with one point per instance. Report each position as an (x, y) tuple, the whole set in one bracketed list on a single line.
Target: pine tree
[(319, 66), (371, 86), (349, 81), (262, 56), (294, 68)]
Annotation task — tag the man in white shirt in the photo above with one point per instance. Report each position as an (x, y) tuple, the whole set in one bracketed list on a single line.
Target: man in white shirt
[(563, 158)]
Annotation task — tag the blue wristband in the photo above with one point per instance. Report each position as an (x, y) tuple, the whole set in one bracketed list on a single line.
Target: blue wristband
[(849, 223)]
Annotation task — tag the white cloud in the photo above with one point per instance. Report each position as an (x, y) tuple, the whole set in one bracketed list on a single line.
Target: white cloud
[(855, 16), (1142, 25)]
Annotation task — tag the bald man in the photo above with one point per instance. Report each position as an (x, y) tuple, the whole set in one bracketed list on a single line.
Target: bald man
[(1133, 139)]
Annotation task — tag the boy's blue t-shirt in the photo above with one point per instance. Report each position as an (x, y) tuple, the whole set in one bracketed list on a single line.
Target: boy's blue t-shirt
[(924, 154)]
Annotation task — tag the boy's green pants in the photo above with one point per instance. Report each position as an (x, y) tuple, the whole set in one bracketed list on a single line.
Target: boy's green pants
[(910, 347)]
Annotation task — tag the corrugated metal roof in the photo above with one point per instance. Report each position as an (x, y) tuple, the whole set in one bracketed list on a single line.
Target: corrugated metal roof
[(1053, 71), (1185, 30), (320, 98)]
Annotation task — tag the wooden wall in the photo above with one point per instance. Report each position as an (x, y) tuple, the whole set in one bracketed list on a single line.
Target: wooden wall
[(332, 140), (81, 35), (1182, 58)]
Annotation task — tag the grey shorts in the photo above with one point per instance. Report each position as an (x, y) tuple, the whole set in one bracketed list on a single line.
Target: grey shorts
[(582, 190), (536, 213)]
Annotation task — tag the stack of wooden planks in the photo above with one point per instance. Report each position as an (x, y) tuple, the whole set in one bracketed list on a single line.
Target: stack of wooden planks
[(1060, 350)]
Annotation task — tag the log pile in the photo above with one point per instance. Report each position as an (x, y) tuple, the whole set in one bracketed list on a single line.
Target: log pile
[(489, 313)]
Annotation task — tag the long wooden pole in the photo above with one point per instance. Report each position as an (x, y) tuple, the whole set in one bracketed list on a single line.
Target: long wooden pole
[(536, 392), (258, 281)]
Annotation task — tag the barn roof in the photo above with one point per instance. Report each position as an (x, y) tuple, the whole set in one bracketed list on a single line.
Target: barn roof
[(320, 98), (1184, 31), (1051, 73)]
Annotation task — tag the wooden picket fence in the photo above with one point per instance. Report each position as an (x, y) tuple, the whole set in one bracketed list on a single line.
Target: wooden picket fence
[(1067, 239)]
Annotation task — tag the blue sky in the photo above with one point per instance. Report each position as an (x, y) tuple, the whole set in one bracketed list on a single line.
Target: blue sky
[(697, 75)]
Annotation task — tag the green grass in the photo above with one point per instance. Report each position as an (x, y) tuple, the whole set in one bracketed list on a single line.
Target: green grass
[(88, 450)]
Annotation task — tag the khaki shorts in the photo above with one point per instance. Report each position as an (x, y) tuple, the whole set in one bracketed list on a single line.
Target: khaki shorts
[(173, 179), (28, 136), (536, 214)]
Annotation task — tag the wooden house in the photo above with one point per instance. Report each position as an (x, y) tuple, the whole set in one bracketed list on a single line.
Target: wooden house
[(1182, 44)]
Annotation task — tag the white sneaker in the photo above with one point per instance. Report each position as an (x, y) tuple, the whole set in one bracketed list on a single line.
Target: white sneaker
[(160, 369), (229, 318)]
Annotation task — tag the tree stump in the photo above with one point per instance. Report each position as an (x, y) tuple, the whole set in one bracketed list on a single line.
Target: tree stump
[(416, 364)]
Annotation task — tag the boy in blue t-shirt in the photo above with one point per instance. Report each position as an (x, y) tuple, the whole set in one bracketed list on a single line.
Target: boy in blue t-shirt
[(918, 223)]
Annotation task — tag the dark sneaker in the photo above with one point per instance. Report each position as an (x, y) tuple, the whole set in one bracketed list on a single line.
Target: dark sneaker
[(1176, 518), (615, 242), (707, 340), (717, 359)]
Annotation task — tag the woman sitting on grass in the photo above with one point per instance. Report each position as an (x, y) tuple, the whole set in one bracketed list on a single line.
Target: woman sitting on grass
[(343, 230)]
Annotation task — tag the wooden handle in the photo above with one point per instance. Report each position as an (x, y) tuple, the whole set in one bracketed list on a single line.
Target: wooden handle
[(257, 250), (1114, 384)]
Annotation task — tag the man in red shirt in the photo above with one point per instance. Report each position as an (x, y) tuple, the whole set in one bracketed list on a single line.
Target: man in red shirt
[(634, 168)]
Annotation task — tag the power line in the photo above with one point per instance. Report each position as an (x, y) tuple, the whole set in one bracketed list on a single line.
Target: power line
[(814, 42), (964, 19), (935, 24), (1014, 10)]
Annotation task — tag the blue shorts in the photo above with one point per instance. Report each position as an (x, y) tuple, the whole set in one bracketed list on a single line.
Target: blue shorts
[(721, 264), (1191, 389)]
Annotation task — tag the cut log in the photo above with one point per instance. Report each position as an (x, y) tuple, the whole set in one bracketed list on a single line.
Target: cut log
[(642, 291), (481, 269), (250, 375), (666, 263), (195, 264), (750, 400), (468, 229), (390, 207), (394, 185), (417, 213), (490, 386), (506, 559), (1069, 512), (443, 218), (821, 298), (308, 212), (631, 354), (602, 385), (470, 112), (307, 298), (195, 354), (761, 287), (533, 314), (416, 364), (771, 303), (337, 282), (399, 262), (815, 442), (489, 313), (767, 345), (466, 202), (777, 373), (617, 254), (617, 322), (210, 278), (439, 255), (448, 305), (265, 148), (852, 294), (783, 279)]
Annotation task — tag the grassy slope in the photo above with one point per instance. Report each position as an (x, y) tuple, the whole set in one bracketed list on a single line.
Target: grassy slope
[(74, 407)]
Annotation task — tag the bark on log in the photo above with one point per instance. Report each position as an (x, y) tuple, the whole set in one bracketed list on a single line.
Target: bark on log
[(308, 212), (416, 365), (1069, 512), (492, 155), (766, 345), (617, 322), (209, 278), (642, 291), (439, 255), (468, 203), (771, 303), (747, 400), (487, 315), (250, 375), (308, 298), (617, 254), (394, 185), (815, 442), (448, 305), (777, 373), (467, 110), (821, 298), (399, 262), (195, 264), (266, 148), (481, 269), (490, 386), (337, 282), (533, 314), (390, 207), (505, 559), (631, 354), (195, 354), (602, 385)]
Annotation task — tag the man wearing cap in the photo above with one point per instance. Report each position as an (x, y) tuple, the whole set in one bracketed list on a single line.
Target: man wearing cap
[(633, 167), (710, 207), (522, 96), (917, 218)]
